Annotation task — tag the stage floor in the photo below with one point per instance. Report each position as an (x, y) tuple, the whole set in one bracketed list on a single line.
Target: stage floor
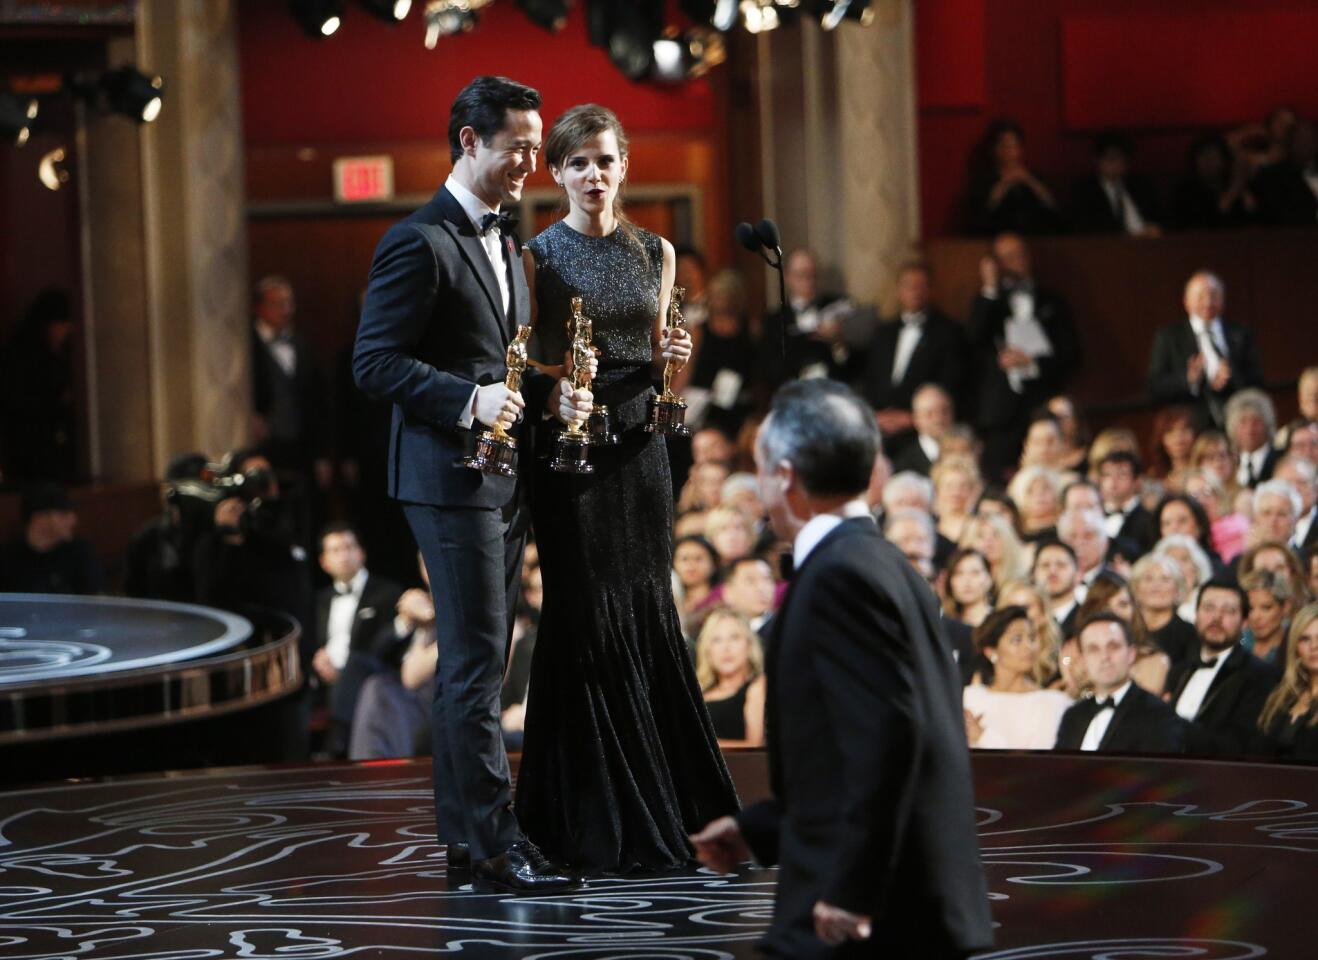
[(1086, 858)]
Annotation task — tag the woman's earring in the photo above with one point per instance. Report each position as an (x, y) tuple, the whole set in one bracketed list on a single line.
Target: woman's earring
[(993, 659)]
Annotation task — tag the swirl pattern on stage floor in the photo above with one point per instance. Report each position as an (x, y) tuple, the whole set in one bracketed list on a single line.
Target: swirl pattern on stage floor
[(1086, 858)]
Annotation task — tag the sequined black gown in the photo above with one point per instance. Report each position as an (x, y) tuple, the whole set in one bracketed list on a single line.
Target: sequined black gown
[(620, 762)]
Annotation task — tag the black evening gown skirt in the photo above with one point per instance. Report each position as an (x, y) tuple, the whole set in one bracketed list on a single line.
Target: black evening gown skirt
[(620, 762)]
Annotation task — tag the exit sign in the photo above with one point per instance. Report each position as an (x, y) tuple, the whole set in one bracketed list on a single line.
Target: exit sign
[(363, 179)]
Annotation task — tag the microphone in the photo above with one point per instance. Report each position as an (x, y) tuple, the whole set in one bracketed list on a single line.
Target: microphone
[(747, 237), (766, 231)]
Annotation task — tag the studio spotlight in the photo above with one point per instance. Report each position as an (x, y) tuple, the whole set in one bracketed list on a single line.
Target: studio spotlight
[(16, 116), (444, 18), (692, 55), (720, 14), (547, 14), (133, 94), (390, 11), (318, 18), (759, 15), (51, 170), (840, 10)]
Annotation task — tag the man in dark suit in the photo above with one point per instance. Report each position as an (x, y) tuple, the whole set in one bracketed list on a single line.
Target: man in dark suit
[(349, 615), (1251, 423), (1201, 360), (289, 399), (931, 416), (811, 325), (1119, 483), (1303, 476), (872, 815), (918, 346), (1221, 687), (1023, 346), (1112, 199), (1121, 716), (447, 291)]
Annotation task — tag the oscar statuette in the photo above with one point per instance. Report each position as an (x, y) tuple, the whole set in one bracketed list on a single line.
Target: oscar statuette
[(496, 451), (573, 443), (668, 410)]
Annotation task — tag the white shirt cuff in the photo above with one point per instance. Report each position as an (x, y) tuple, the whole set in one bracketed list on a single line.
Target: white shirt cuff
[(469, 415)]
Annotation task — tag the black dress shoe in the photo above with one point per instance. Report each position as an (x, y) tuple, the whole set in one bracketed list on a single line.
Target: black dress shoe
[(459, 856), (522, 868)]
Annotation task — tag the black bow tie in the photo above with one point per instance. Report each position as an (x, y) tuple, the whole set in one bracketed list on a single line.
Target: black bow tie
[(1109, 703), (503, 222), (1207, 664)]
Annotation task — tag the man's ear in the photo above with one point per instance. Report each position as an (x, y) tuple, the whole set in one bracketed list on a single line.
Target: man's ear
[(468, 137)]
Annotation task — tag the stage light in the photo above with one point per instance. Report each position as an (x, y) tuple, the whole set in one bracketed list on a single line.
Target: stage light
[(318, 18), (444, 18), (16, 116), (681, 58), (390, 11), (839, 10), (720, 14), (548, 14), (759, 15), (51, 170), (133, 93)]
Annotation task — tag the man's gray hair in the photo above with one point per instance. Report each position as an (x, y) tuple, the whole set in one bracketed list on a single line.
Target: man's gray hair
[(907, 482), (1282, 489), (1066, 523), (1202, 565), (826, 432), (915, 516), (1250, 400)]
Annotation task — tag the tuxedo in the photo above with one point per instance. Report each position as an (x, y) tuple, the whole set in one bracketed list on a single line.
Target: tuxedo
[(1173, 347), (1093, 210), (433, 328), (375, 606), (1285, 197), (939, 357), (912, 457), (1266, 465), (802, 353), (872, 807), (1140, 527), (293, 404), (1227, 720), (1141, 723), (1001, 414)]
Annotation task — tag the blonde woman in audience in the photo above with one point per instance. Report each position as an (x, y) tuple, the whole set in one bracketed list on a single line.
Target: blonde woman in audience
[(1011, 710), (1110, 441), (1212, 452), (730, 669), (1037, 493), (1159, 587), (994, 537), (1281, 560), (731, 534), (1271, 600), (1289, 720), (1195, 566), (1110, 592), (957, 485), (1023, 593), (968, 587)]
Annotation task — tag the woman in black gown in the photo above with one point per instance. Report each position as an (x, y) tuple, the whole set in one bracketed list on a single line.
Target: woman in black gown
[(620, 762)]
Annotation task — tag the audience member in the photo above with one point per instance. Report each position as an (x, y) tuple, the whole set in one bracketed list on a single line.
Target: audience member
[(913, 533), (158, 562), (968, 588), (1011, 710), (1287, 189), (1310, 561), (1271, 601), (1180, 513), (750, 591), (712, 445), (1213, 193), (1220, 688), (690, 274), (1121, 716), (1289, 719), (810, 326), (1023, 593), (1299, 439), (1056, 573), (1037, 493), (730, 668), (1085, 533), (1195, 566), (1082, 495), (1172, 442), (704, 486), (1112, 199), (919, 346), (1212, 454), (695, 565), (1303, 478), (1229, 529), (1201, 361), (1159, 588), (719, 379), (1004, 193), (1277, 507), (931, 418), (994, 538), (1250, 424), (349, 614), (1075, 435), (1119, 483), (1110, 593), (1043, 443), (994, 502), (49, 557), (1307, 390), (730, 533), (1023, 347), (957, 486), (1277, 558)]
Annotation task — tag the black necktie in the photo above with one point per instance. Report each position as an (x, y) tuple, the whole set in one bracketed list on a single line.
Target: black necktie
[(503, 222)]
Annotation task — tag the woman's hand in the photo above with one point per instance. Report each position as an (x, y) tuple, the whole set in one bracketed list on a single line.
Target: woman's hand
[(569, 364), (675, 346)]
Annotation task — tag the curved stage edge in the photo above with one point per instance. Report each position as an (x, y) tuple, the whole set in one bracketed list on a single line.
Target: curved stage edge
[(1086, 857)]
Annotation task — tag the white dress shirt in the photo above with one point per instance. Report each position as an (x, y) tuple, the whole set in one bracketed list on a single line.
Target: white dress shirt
[(1097, 728), (1115, 520), (1250, 469), (1023, 332), (1123, 206), (280, 347), (1302, 526), (1212, 345), (821, 525), (342, 614), (1194, 692), (908, 338), (930, 446)]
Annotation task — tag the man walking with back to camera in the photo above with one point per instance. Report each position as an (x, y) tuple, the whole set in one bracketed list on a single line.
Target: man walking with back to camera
[(447, 291)]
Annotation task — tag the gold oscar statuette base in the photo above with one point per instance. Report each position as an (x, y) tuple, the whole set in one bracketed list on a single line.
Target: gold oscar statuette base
[(571, 453), (668, 416), (600, 427), (494, 455)]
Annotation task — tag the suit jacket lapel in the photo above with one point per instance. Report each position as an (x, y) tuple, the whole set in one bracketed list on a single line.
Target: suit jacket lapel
[(459, 225), (1119, 713), (519, 304), (1234, 661)]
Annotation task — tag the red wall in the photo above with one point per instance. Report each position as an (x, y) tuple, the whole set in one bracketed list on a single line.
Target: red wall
[(1064, 67), (374, 81)]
